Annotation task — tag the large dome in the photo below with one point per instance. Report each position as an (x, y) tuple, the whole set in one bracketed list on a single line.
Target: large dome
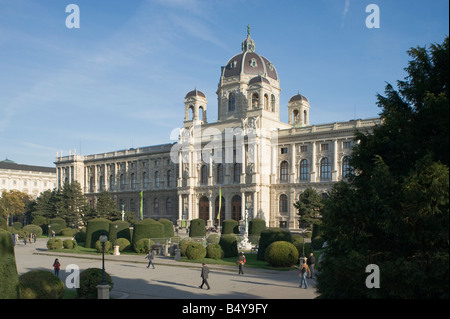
[(249, 62)]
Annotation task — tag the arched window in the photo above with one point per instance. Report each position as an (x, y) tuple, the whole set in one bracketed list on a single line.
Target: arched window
[(157, 179), (273, 103), (231, 102), (266, 102), (219, 174), (133, 181), (237, 173), (191, 113), (122, 181), (305, 118), (145, 179), (346, 167), (111, 182), (156, 206), (304, 170), (284, 171), (168, 178), (283, 204), (203, 175), (236, 210), (169, 206), (255, 100), (325, 169)]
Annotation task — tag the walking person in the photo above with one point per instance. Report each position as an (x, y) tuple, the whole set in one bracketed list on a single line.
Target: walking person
[(150, 259), (304, 270), (311, 264), (204, 275), (56, 267), (241, 262)]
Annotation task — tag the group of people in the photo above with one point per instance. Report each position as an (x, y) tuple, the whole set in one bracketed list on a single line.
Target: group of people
[(307, 269), (31, 238)]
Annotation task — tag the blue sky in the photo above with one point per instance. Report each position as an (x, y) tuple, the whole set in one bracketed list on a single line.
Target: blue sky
[(119, 80)]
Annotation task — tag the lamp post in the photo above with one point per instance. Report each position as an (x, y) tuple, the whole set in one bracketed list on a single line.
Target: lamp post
[(103, 239)]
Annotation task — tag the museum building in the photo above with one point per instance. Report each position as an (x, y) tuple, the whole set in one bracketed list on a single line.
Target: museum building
[(257, 164)]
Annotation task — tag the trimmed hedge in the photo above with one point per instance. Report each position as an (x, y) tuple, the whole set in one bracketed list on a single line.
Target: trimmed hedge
[(168, 227), (54, 244), (183, 246), (98, 246), (80, 237), (269, 236), (195, 251), (69, 244), (143, 245), (147, 228), (228, 243), (197, 228), (213, 239), (95, 228), (256, 226), (230, 226), (281, 254), (41, 284), (124, 244), (122, 231), (89, 280), (214, 251), (35, 229), (9, 287)]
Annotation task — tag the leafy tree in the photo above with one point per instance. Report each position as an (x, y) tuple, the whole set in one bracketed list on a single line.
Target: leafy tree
[(394, 212), (13, 203), (309, 207)]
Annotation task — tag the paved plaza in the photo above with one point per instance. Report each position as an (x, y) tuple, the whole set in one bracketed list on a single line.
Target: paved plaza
[(170, 279)]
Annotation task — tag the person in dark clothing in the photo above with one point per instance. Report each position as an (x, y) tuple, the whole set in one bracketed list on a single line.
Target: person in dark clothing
[(204, 275), (311, 263)]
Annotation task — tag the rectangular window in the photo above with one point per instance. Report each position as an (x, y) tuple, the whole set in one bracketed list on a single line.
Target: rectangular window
[(347, 144), (303, 148), (284, 150), (324, 147)]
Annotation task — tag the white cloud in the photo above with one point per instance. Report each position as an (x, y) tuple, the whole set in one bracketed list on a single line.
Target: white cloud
[(344, 13)]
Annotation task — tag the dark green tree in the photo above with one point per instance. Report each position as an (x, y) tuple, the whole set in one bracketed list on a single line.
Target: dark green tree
[(394, 212), (106, 207), (309, 207)]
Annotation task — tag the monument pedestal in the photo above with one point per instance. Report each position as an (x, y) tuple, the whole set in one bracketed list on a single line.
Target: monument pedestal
[(103, 291)]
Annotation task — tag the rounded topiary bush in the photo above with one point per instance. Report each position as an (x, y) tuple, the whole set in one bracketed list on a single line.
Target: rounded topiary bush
[(95, 228), (124, 244), (168, 227), (57, 224), (197, 228), (195, 251), (33, 229), (41, 284), (213, 239), (214, 251), (98, 246), (230, 226), (269, 236), (69, 244), (281, 254), (256, 226), (54, 244), (68, 232), (228, 243), (183, 246), (9, 279), (89, 280), (17, 225), (122, 230)]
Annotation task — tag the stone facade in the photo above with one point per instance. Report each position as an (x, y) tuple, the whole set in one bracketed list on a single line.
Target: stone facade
[(258, 164), (29, 179)]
